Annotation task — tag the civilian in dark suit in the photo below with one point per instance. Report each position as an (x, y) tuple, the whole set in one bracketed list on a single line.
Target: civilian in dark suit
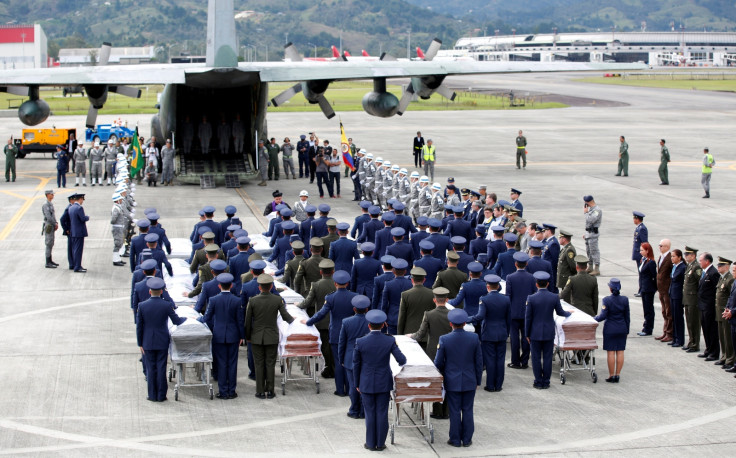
[(677, 282), (664, 275), (152, 334), (615, 312), (707, 306), (373, 378), (494, 317), (647, 286), (460, 361), (353, 328), (519, 286), (78, 231), (418, 145)]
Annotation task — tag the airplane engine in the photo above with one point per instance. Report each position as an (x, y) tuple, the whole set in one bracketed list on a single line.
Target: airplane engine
[(314, 90), (33, 112), (381, 104), (424, 87), (97, 95)]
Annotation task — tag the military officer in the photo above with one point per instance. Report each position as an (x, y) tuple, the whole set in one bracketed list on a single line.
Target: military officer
[(352, 329), (361, 219), (451, 278), (383, 236), (66, 227), (204, 272), (412, 203), (292, 265), (468, 298), (723, 291), (582, 289), (238, 264), (50, 225), (10, 151), (343, 250), (459, 227), (429, 263), (319, 225), (551, 252), (459, 358), (378, 181), (364, 270), (437, 203), (441, 241), (78, 231), (262, 333), (623, 157), (308, 271), (519, 286), (419, 236), (515, 202), (479, 244), (493, 317), (80, 157), (424, 197), (369, 228), (593, 219), (392, 294), (663, 160), (414, 303), (380, 281), (119, 222), (373, 378), (566, 263), (505, 262), (401, 248), (314, 302), (520, 150), (368, 184), (641, 235)]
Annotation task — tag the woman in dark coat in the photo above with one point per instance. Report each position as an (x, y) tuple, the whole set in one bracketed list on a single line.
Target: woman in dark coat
[(615, 311), (647, 286)]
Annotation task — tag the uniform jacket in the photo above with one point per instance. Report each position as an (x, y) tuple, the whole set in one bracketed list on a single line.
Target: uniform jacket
[(260, 319), (413, 304), (416, 238), (391, 298), (371, 362), (434, 325), (364, 271), (358, 224), (641, 235), (494, 313), (551, 254), (353, 328), (66, 223), (460, 227), (723, 291), (152, 331), (495, 248), (403, 221), (338, 307), (216, 229), (279, 252), (78, 221), (382, 240), (319, 227), (677, 281), (163, 241), (307, 274), (478, 245), (451, 278), (327, 240), (316, 299), (142, 293), (468, 298), (519, 286), (615, 311), (539, 323), (210, 289), (536, 264), (228, 318), (462, 263), (690, 286), (368, 232), (505, 264), (431, 265), (566, 266), (290, 269), (441, 245), (137, 245), (402, 250), (343, 251), (582, 292), (238, 265), (378, 284), (460, 360)]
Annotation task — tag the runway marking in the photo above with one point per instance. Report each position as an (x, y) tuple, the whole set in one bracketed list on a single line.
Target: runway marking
[(43, 181), (557, 163), (60, 307), (252, 205)]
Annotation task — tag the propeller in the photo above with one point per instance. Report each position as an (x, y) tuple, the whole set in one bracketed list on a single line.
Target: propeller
[(406, 98), (312, 96), (434, 47), (97, 94), (324, 104), (443, 90), (286, 95)]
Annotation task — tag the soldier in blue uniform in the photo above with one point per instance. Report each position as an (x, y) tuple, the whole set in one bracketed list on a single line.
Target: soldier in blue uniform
[(380, 281), (152, 335), (238, 264), (282, 245), (278, 231), (458, 245), (402, 220), (460, 361), (343, 250), (274, 221), (230, 236), (479, 244), (138, 243), (496, 246), (78, 231), (391, 295), (551, 253), (441, 241), (382, 238), (515, 193), (519, 286), (319, 225), (505, 262), (361, 219), (458, 227), (429, 263), (364, 271), (226, 319), (539, 327), (401, 248), (227, 222), (536, 263), (156, 228), (421, 234), (353, 328), (158, 254), (615, 312), (339, 306), (141, 291), (468, 298), (641, 235), (494, 317), (373, 378), (305, 227), (214, 226), (66, 228)]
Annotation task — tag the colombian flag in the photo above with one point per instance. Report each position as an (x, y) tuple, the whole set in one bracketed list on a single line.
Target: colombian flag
[(137, 161), (347, 157)]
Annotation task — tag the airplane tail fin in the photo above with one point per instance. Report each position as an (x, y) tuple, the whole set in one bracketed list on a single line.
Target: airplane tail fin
[(364, 53), (335, 52), (420, 54), (347, 54), (222, 47)]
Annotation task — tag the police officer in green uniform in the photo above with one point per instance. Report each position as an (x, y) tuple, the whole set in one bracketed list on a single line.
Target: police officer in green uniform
[(451, 278), (330, 237), (292, 265), (314, 302), (623, 158), (10, 152), (566, 261), (663, 160), (414, 303), (582, 289), (262, 332), (690, 299), (308, 271), (520, 150), (723, 291)]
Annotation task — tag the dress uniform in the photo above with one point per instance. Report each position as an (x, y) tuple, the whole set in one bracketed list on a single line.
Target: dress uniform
[(437, 202), (414, 303), (428, 262), (505, 262), (308, 271), (338, 305), (209, 212), (49, 227), (516, 203), (119, 222), (536, 263), (239, 264), (292, 265), (402, 220), (582, 290), (458, 226), (551, 253), (693, 273), (460, 361), (369, 229), (369, 183), (353, 328), (155, 228), (441, 241), (305, 227), (210, 288), (228, 331), (615, 312), (451, 278), (566, 262), (319, 225), (158, 254), (424, 197), (458, 245), (231, 219), (401, 248), (373, 378), (519, 286), (723, 291), (677, 276), (330, 237), (66, 229), (364, 271), (479, 244), (152, 335), (282, 245), (78, 232), (380, 281), (468, 298), (641, 235), (263, 334), (593, 220), (141, 290), (392, 294), (494, 317), (378, 181), (314, 302), (360, 220), (539, 326), (344, 251), (418, 237), (383, 236), (496, 246)]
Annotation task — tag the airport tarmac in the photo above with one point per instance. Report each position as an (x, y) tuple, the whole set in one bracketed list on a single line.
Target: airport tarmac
[(73, 385)]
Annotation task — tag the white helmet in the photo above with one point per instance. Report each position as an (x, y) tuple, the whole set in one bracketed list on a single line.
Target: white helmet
[(436, 187), (387, 163), (414, 174), (369, 156), (362, 151), (404, 171), (424, 179), (395, 168), (303, 192), (379, 160), (116, 197)]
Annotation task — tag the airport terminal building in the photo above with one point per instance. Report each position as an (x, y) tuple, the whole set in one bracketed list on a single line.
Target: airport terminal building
[(655, 48), (23, 46)]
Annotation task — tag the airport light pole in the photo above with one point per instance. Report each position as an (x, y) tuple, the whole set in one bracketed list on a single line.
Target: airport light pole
[(315, 49), (408, 44)]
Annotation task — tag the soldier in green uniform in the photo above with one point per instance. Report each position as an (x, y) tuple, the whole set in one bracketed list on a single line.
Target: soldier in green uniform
[(414, 303), (252, 273), (566, 261), (330, 237), (262, 332), (690, 299), (10, 152), (314, 302), (582, 289), (623, 158), (292, 265), (205, 271), (723, 291), (273, 150), (308, 271), (199, 258), (520, 150), (50, 225), (663, 160), (451, 278)]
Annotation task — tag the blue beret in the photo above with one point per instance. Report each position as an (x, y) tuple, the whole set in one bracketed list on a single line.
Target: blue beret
[(388, 216), (399, 263), (520, 256), (360, 302), (341, 277), (288, 225), (310, 209), (498, 228), (149, 264), (481, 229), (614, 283), (376, 317), (155, 283), (201, 230), (639, 215), (510, 237), (458, 240), (218, 265), (374, 210), (365, 205), (426, 245), (201, 213), (153, 216), (240, 233), (151, 238), (475, 267), (209, 209), (242, 240), (398, 232), (149, 210), (434, 222), (286, 212), (230, 210), (258, 264), (541, 275), (225, 277), (233, 227), (367, 246), (458, 316), (324, 208), (343, 226), (516, 191), (587, 198), (398, 206), (536, 244), (492, 279), (143, 223), (387, 259), (422, 221)]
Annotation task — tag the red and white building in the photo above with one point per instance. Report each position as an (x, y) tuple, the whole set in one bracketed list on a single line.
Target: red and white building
[(23, 46)]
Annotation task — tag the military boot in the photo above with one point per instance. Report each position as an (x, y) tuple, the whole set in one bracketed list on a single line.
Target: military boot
[(596, 270), (262, 183), (49, 264), (52, 262), (590, 267)]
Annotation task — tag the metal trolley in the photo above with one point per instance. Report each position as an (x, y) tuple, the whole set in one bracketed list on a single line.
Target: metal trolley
[(583, 358), (191, 346), (420, 418), (418, 386), (309, 362)]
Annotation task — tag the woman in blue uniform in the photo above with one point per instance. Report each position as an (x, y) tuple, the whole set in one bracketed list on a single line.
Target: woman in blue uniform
[(615, 311)]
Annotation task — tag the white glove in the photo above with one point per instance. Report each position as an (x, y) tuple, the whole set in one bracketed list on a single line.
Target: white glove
[(135, 204)]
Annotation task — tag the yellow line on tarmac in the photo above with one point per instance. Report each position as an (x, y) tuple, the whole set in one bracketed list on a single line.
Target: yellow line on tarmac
[(24, 208)]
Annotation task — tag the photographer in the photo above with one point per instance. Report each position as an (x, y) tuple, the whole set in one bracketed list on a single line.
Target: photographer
[(321, 168), (335, 162)]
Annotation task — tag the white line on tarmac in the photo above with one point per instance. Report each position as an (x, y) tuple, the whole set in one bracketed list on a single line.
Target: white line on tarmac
[(60, 307)]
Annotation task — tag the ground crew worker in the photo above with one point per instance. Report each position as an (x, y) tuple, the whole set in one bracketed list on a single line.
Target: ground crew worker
[(520, 150), (566, 261), (582, 289), (623, 158), (10, 151), (205, 135), (273, 159), (50, 225), (707, 172), (119, 221), (663, 160), (96, 156), (167, 160), (80, 163), (429, 155), (593, 220)]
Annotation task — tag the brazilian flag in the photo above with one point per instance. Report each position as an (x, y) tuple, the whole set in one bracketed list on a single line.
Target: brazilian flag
[(136, 156)]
